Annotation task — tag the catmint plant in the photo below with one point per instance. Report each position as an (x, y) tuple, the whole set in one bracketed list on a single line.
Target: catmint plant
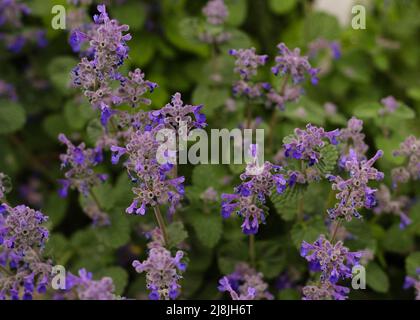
[(216, 14), (352, 140), (410, 149), (354, 193), (163, 271), (246, 65), (23, 270), (259, 181)]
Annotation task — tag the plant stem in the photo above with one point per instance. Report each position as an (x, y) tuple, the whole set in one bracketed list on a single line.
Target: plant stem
[(161, 223), (337, 225), (95, 198), (252, 250), (331, 196), (5, 270), (274, 116)]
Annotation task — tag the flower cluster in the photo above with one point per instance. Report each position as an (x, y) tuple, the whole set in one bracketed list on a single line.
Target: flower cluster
[(259, 181), (335, 262), (163, 271), (323, 44), (397, 206), (325, 291), (354, 193), (153, 186), (11, 14), (352, 139), (305, 144), (216, 14), (292, 63), (288, 93), (413, 282), (22, 239), (410, 149), (246, 65), (7, 90), (83, 287), (390, 105), (96, 73), (245, 283), (80, 162), (175, 114)]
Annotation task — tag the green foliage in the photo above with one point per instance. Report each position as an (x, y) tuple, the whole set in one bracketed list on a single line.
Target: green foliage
[(12, 117), (376, 278)]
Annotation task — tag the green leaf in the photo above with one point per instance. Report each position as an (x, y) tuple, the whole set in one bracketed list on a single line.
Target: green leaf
[(282, 6), (203, 171), (55, 209), (286, 203), (237, 11), (119, 277), (230, 254), (328, 159), (414, 93), (94, 130), (376, 278), (142, 50), (271, 258), (131, 13), (308, 231), (289, 294), (59, 72), (211, 98), (12, 116), (412, 263), (104, 195), (55, 124), (58, 248), (321, 25), (117, 233), (77, 115), (367, 110), (207, 227), (398, 240), (176, 233)]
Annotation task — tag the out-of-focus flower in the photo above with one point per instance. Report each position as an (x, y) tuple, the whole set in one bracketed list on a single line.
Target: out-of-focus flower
[(292, 63), (414, 283), (245, 283), (390, 105), (410, 149), (83, 287), (387, 204)]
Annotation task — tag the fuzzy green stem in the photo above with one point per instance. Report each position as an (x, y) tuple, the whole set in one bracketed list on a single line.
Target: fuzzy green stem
[(5, 270), (161, 223), (337, 225)]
